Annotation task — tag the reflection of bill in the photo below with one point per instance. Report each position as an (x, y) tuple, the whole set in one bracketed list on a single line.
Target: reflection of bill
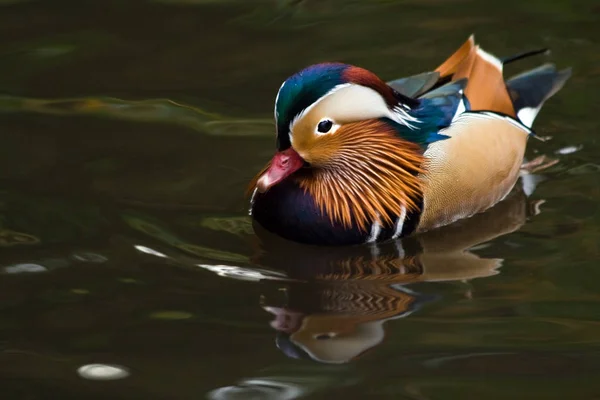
[(338, 300)]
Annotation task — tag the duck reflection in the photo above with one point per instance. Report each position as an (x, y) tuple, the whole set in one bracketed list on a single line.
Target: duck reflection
[(337, 299)]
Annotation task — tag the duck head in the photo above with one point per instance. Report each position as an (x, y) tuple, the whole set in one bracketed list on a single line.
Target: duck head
[(344, 137)]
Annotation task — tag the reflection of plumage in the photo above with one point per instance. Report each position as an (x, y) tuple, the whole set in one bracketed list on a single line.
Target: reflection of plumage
[(386, 267), (373, 300), (360, 160), (338, 299)]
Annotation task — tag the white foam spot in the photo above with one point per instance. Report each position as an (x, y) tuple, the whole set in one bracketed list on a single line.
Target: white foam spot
[(148, 250), (241, 273), (24, 268), (569, 150), (102, 372)]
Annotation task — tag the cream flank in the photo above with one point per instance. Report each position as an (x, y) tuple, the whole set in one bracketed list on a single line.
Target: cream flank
[(456, 186)]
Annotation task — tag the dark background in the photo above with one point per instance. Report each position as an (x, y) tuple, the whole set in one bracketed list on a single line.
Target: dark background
[(139, 123)]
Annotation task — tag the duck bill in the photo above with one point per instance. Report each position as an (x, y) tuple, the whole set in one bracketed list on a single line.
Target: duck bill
[(283, 164)]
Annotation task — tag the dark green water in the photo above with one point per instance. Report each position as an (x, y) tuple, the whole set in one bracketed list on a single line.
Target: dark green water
[(128, 133)]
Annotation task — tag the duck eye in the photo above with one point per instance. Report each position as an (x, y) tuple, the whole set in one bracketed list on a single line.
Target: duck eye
[(324, 126)]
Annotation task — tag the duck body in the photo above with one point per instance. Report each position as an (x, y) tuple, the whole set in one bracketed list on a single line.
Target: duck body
[(363, 161)]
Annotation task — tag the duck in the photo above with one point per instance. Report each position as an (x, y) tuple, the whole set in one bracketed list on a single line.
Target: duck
[(359, 160)]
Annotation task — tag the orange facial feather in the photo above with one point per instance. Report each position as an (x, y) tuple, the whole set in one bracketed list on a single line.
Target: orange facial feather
[(370, 175)]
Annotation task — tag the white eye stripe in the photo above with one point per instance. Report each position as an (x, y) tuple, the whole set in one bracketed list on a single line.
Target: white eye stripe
[(313, 105), (348, 102)]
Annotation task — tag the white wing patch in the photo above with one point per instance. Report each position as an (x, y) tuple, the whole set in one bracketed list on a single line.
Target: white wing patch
[(401, 116), (462, 107), (527, 115)]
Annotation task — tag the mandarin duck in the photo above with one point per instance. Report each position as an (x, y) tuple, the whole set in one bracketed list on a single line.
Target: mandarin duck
[(360, 160)]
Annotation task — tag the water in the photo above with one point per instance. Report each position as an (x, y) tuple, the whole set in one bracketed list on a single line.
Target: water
[(129, 131)]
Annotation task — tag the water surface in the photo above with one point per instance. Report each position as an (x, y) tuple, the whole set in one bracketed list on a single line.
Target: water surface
[(129, 131)]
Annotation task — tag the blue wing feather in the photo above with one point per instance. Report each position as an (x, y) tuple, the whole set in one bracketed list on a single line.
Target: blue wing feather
[(435, 111)]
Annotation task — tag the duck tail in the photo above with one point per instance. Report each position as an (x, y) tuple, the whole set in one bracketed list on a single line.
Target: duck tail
[(530, 89), (521, 96)]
